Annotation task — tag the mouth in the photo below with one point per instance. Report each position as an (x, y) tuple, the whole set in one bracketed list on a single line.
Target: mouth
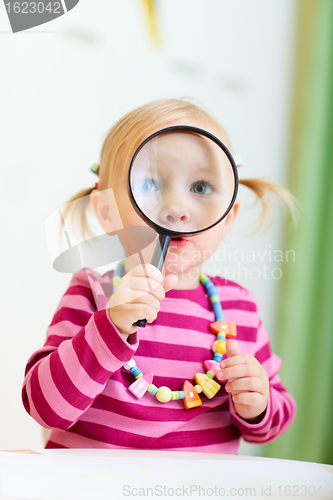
[(178, 242)]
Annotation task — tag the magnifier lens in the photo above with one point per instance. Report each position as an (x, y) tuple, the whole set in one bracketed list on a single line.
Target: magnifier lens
[(182, 181)]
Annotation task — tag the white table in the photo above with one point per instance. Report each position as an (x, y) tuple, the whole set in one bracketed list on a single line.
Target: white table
[(116, 474)]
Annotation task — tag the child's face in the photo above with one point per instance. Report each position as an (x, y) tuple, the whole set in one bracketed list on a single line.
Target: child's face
[(181, 206), (182, 182)]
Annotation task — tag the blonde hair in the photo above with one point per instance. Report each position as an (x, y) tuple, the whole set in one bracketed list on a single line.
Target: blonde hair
[(126, 135)]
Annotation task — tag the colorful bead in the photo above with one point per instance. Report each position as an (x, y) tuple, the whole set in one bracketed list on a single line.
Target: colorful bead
[(211, 365), (232, 332), (152, 389), (229, 328), (136, 372), (200, 377), (164, 394), (130, 364), (191, 399), (140, 386), (209, 386), (116, 280), (218, 357), (218, 326), (178, 394), (219, 346)]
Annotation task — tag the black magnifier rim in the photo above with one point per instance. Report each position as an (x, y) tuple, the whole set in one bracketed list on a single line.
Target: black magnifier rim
[(182, 128)]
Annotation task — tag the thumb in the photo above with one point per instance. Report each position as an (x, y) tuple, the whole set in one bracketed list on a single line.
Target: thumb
[(170, 281), (232, 348)]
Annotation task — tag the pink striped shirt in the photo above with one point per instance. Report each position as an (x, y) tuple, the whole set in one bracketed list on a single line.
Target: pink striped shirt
[(77, 386)]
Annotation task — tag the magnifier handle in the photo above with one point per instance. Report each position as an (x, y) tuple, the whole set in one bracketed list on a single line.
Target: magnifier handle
[(157, 260), (140, 322)]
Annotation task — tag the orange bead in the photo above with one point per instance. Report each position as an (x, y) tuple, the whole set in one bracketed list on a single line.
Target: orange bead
[(232, 330), (192, 398), (218, 326), (229, 328)]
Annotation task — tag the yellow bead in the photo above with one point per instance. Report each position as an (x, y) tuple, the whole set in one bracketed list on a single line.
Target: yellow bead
[(164, 394), (219, 346), (200, 377), (210, 387)]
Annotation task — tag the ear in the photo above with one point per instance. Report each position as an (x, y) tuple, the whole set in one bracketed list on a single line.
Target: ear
[(106, 210), (230, 218)]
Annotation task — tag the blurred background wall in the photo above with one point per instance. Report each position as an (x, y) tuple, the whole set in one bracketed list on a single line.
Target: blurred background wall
[(65, 83)]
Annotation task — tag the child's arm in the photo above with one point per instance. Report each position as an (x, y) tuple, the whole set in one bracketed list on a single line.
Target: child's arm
[(260, 405), (82, 350)]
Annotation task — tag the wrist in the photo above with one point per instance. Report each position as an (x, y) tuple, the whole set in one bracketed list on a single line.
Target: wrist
[(124, 334), (254, 420)]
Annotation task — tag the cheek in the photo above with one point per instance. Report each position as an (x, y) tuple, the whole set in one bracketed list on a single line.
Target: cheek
[(212, 237), (127, 213)]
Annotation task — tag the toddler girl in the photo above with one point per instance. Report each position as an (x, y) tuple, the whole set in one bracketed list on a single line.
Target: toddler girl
[(77, 383)]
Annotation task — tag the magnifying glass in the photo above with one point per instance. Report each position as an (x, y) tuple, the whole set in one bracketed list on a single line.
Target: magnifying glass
[(182, 181)]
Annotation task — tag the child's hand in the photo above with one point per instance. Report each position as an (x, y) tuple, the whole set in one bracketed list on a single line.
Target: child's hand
[(138, 296), (247, 382)]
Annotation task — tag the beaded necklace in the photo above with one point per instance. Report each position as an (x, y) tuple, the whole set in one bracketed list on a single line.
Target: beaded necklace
[(204, 381)]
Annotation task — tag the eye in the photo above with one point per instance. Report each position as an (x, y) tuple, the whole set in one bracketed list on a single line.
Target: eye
[(201, 187), (145, 186)]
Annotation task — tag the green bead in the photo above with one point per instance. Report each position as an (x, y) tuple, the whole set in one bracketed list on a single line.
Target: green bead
[(151, 388), (198, 388), (164, 394), (175, 395), (139, 375), (210, 374)]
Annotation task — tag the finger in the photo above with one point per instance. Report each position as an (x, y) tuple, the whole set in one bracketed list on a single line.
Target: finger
[(148, 270), (239, 359), (128, 314), (232, 348), (170, 281), (147, 299), (247, 384), (239, 371), (146, 285), (128, 296), (248, 398)]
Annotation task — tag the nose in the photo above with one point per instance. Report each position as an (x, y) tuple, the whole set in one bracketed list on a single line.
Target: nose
[(173, 213)]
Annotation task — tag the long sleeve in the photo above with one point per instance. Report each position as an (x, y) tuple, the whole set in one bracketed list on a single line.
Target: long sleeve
[(82, 350), (281, 408)]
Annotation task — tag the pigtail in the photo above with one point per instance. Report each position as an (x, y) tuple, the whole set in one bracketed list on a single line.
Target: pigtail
[(77, 212), (266, 193)]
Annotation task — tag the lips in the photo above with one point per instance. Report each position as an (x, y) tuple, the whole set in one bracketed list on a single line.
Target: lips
[(178, 242)]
